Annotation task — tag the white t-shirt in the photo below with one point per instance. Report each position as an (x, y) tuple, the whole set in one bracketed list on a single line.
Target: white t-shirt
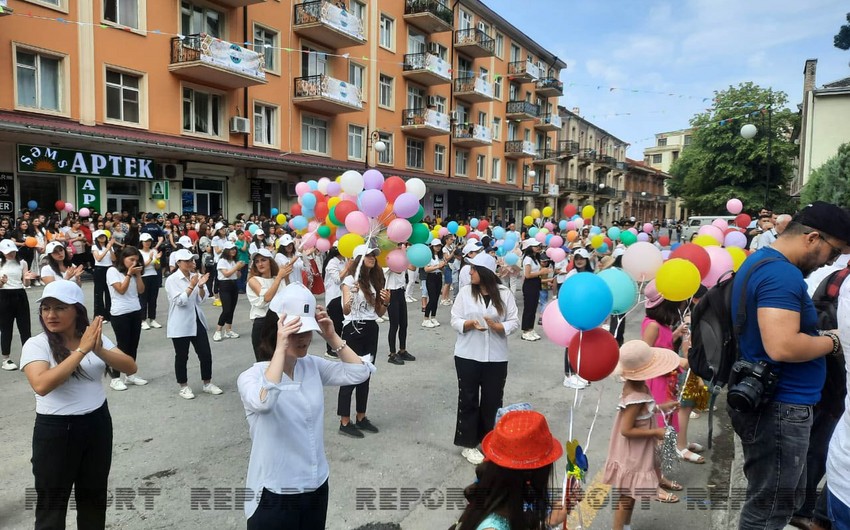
[(395, 280), (360, 308), (838, 456), (122, 303), (77, 395), (297, 267), (561, 277), (14, 271), (48, 272), (106, 261), (218, 246), (150, 270), (224, 265), (528, 261)]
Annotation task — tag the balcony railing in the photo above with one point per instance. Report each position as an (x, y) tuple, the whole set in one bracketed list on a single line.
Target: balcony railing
[(472, 134), (568, 148), (520, 149), (5, 10), (327, 94), (587, 155), (475, 42), (522, 110), (523, 71), (473, 88), (209, 60), (606, 191), (427, 69), (549, 86), (546, 156), (425, 122), (548, 122), (568, 184), (622, 166), (431, 16), (326, 23)]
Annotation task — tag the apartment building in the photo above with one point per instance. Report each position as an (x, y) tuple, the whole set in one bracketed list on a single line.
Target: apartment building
[(223, 105), (667, 149)]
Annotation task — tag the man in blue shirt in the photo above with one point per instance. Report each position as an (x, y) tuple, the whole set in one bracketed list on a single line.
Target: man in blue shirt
[(781, 330)]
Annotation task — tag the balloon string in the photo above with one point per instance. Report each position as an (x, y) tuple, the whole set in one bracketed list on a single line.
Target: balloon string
[(593, 422)]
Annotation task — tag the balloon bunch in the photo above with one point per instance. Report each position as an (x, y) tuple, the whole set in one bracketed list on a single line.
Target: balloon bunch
[(62, 206)]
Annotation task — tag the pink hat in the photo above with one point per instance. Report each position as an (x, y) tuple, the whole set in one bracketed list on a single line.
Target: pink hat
[(639, 361), (653, 297)]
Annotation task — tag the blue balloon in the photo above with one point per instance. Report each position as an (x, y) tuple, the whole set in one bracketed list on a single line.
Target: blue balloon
[(253, 229), (500, 251), (452, 226), (509, 243), (533, 231), (511, 259), (313, 185), (585, 300), (299, 222), (499, 232), (563, 224), (548, 238), (614, 233), (576, 217), (595, 230), (32, 205), (308, 200), (473, 222), (274, 212), (674, 246), (623, 288), (419, 255), (603, 248)]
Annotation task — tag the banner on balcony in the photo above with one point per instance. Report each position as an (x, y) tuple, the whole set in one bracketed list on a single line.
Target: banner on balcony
[(437, 119), (342, 20), (483, 87), (341, 91), (437, 65), (232, 56)]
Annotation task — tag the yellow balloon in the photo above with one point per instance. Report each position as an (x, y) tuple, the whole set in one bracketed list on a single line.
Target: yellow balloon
[(108, 233), (597, 241), (437, 227), (535, 213), (738, 257), (548, 211), (461, 231), (382, 258), (677, 279), (435, 234), (339, 179), (587, 212), (333, 201), (280, 218), (705, 240), (160, 204), (528, 220), (348, 243)]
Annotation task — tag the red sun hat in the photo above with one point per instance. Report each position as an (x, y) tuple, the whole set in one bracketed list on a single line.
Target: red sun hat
[(522, 440)]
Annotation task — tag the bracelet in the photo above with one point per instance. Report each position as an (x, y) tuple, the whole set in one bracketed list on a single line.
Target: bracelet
[(836, 343), (339, 348), (80, 350)]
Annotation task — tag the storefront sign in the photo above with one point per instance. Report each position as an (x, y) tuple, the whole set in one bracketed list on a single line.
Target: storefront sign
[(7, 194), (88, 193), (159, 190), (438, 200), (257, 190), (40, 159)]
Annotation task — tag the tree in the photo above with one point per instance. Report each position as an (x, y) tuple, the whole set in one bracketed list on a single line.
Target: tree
[(842, 38), (831, 181), (720, 164)]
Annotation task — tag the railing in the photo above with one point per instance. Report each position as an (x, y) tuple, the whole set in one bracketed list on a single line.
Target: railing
[(546, 154), (523, 107), (435, 7), (606, 191), (520, 68), (427, 61), (473, 84), (622, 166), (475, 36), (550, 82), (520, 146), (587, 154), (426, 116), (473, 131), (551, 119), (569, 147), (571, 184), (585, 186), (328, 87), (330, 14), (216, 52)]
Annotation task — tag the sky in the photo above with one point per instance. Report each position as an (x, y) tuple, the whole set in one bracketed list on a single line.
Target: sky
[(649, 49)]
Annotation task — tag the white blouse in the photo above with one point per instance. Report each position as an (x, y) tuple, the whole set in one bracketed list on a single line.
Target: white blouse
[(224, 265), (483, 346), (360, 308), (14, 271), (332, 281), (259, 307), (297, 267), (395, 280)]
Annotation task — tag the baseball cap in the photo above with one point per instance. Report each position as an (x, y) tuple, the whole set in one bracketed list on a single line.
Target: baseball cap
[(363, 250), (184, 255), (471, 246), (219, 226), (436, 241), (619, 251), (97, 233), (64, 291), (228, 245), (484, 260), (259, 232), (827, 218), (296, 301), (530, 242), (7, 246), (286, 240), (186, 241), (53, 245), (264, 252), (145, 237), (581, 253)]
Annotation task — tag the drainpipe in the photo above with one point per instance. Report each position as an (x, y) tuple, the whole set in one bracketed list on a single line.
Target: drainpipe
[(245, 90), (452, 122)]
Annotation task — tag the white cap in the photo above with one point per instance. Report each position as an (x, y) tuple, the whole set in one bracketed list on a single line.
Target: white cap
[(296, 301), (619, 251), (473, 245), (53, 245), (336, 244), (7, 246), (186, 241), (259, 232), (228, 245), (144, 236), (264, 252), (484, 260), (184, 255), (363, 250), (436, 241), (64, 291), (581, 253), (97, 233), (219, 226), (530, 242), (286, 240)]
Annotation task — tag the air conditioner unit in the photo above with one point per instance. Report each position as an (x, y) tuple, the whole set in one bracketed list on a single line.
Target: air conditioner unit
[(453, 116), (432, 101), (171, 172), (434, 48), (240, 125)]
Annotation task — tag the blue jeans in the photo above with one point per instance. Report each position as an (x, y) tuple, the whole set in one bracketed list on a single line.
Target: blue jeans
[(839, 513), (775, 441)]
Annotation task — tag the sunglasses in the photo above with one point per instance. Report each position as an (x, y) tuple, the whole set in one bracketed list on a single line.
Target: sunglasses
[(835, 252)]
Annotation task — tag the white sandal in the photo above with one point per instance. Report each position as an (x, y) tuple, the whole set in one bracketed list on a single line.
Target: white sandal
[(689, 456)]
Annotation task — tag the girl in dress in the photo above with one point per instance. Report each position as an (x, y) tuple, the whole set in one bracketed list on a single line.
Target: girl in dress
[(265, 278)]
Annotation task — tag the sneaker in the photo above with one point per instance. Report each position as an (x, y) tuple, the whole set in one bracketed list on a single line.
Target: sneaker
[(366, 425), (410, 299), (472, 455), (350, 430), (380, 320), (135, 380), (574, 381), (8, 365), (434, 322), (155, 324), (427, 323), (145, 325), (395, 359), (404, 355), (186, 393), (527, 335), (230, 334), (210, 388), (217, 336), (536, 336), (117, 384), (217, 302)]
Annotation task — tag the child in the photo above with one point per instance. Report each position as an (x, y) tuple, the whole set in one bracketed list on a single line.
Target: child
[(632, 468)]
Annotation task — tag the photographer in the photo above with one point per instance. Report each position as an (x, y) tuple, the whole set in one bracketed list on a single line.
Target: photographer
[(782, 369)]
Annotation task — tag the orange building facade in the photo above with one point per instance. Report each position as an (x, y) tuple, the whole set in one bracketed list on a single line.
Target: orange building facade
[(221, 106)]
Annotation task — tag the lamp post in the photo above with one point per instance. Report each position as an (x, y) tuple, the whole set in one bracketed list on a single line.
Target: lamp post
[(373, 140), (749, 131)]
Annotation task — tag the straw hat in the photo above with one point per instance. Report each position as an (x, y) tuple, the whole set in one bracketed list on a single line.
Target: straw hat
[(639, 361), (521, 440)]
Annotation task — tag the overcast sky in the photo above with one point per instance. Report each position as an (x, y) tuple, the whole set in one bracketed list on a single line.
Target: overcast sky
[(648, 49)]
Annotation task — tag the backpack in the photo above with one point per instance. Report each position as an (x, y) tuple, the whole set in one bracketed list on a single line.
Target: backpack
[(825, 299)]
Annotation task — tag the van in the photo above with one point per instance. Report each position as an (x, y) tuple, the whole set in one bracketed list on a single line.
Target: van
[(698, 221)]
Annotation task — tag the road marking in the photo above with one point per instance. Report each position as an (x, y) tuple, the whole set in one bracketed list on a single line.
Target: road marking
[(596, 493)]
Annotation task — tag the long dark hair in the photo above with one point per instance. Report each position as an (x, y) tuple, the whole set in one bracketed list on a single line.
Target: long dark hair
[(370, 283), (529, 253), (273, 267), (127, 252), (268, 337), (332, 253), (58, 349), (54, 265), (488, 281), (666, 313)]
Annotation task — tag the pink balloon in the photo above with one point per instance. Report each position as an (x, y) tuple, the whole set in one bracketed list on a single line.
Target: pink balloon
[(721, 265), (556, 242), (633, 230), (399, 230), (571, 225), (713, 231), (734, 206), (540, 236), (473, 235), (341, 231), (357, 223), (665, 254), (647, 227), (642, 260), (397, 261), (309, 240), (735, 239), (373, 180), (372, 201), (69, 207), (578, 223), (333, 189), (85, 212), (443, 231), (557, 254), (406, 205), (323, 245), (555, 327), (301, 188), (722, 224), (312, 226), (549, 226)]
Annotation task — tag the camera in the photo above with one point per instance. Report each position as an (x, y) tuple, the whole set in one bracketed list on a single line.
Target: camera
[(752, 385)]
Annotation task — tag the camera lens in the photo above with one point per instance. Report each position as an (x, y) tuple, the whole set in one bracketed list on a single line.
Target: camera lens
[(746, 395)]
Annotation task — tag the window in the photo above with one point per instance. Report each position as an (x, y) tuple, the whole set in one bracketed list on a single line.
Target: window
[(385, 83), (123, 12), (497, 129), (464, 19), (496, 174), (355, 142), (314, 135), (39, 81), (265, 42), (497, 88), (687, 140), (461, 161), (500, 45), (439, 104), (439, 158), (662, 142), (415, 97), (513, 129), (675, 155), (358, 9), (122, 96), (313, 62), (356, 75), (482, 119), (656, 159), (204, 196), (387, 33), (510, 172), (265, 124), (481, 167), (516, 53), (415, 153), (201, 112), (57, 3), (198, 19), (386, 157)]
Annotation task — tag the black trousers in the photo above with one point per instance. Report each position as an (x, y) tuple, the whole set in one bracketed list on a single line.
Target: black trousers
[(397, 312), (14, 309), (149, 297), (335, 312), (102, 299), (530, 301), (201, 342), (480, 388), (823, 424), (256, 328), (229, 292), (298, 511), (72, 451), (434, 282), (128, 331), (617, 327), (362, 337)]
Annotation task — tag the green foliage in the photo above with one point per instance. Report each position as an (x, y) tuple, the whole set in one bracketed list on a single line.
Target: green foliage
[(842, 38), (831, 181), (720, 164)]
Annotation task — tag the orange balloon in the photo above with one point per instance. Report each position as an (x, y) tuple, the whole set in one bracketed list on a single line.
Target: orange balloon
[(387, 216), (572, 235), (31, 242)]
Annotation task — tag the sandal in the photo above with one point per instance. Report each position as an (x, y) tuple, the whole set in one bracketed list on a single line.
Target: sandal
[(695, 415), (666, 497), (695, 447), (668, 484), (689, 456)]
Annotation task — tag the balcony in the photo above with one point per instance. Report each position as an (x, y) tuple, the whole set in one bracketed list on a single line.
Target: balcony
[(431, 16), (622, 167), (233, 4), (568, 148), (4, 9), (426, 69), (472, 135), (586, 156), (549, 87), (424, 122), (606, 191), (210, 61), (546, 157), (523, 71), (322, 93), (520, 149), (473, 89), (522, 110), (664, 199), (548, 122), (568, 185), (474, 43), (325, 23)]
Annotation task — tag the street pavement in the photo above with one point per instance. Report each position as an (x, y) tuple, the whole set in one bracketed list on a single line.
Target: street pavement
[(182, 464)]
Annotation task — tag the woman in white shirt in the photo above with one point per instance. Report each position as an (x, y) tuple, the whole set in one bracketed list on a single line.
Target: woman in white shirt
[(448, 257), (228, 269), (484, 314), (470, 250), (38, 252), (335, 269), (284, 404), (433, 283), (257, 242), (57, 265), (73, 429), (217, 244), (152, 279), (532, 272), (103, 257), (397, 311), (264, 280), (125, 285), (287, 256), (14, 305)]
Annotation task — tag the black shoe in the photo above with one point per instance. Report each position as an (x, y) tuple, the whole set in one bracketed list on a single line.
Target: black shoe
[(366, 425), (350, 430), (404, 355), (395, 359)]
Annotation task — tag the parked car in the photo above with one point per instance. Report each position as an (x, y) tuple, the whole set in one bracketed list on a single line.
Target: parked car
[(697, 221)]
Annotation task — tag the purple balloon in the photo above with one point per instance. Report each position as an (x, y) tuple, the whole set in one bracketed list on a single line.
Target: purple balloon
[(373, 202), (406, 205), (643, 236), (333, 189), (373, 179), (736, 239)]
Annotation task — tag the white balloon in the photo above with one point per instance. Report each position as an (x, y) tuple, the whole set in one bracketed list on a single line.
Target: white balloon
[(351, 182), (323, 185), (416, 187), (642, 260)]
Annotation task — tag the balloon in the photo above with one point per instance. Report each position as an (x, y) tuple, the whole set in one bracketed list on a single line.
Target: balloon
[(511, 259), (323, 184), (499, 232), (357, 223), (321, 211), (406, 205), (579, 223), (734, 206), (324, 231), (585, 300), (735, 239), (696, 255), (85, 212), (443, 231), (280, 218), (528, 220), (556, 242), (562, 224), (595, 230), (614, 233), (274, 212), (555, 327), (313, 185), (533, 231), (722, 224), (302, 188), (419, 234), (666, 254), (372, 202), (572, 235), (628, 238), (397, 261), (418, 216), (31, 242), (461, 231), (452, 227), (373, 179), (705, 240), (343, 209), (557, 254), (416, 187), (721, 265), (299, 222), (535, 213), (419, 255), (308, 201), (348, 243), (643, 236), (483, 224), (604, 248), (509, 243), (60, 205), (309, 240), (108, 233), (588, 212), (540, 236), (623, 288), (253, 228), (642, 260), (743, 220), (351, 182), (594, 354), (597, 241), (664, 240), (738, 256), (334, 189), (677, 280), (710, 230), (399, 230), (569, 210), (323, 245), (548, 211), (69, 207), (32, 205), (647, 228), (473, 222), (393, 187), (295, 210)]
